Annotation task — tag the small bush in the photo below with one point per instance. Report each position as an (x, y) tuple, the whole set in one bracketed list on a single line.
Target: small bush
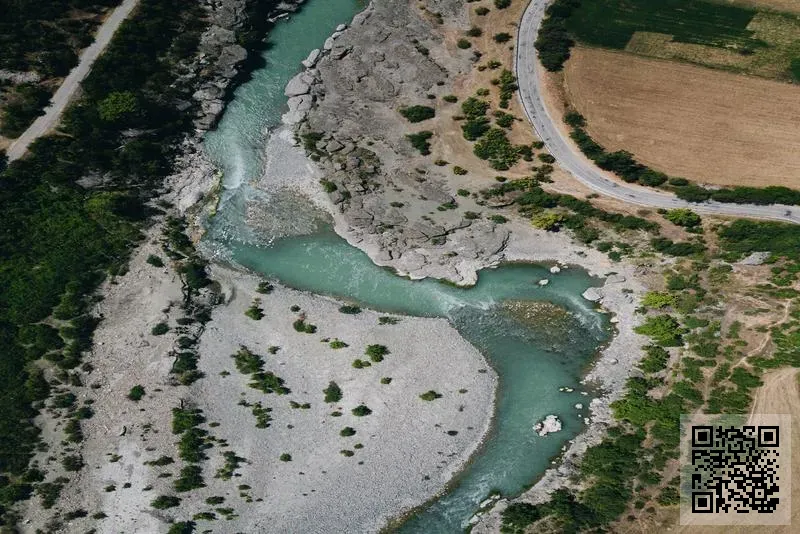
[(430, 396), (376, 352), (255, 312), (462, 193), (285, 457), (338, 344), (463, 44), (502, 37), (450, 99), (386, 380), (155, 261), (160, 329), (346, 453), (301, 326), (498, 219), (162, 502), (333, 393), (418, 113), (474, 32), (347, 431), (351, 310), (481, 11), (328, 186), (360, 364), (420, 141), (265, 288), (361, 411), (136, 393), (388, 320), (502, 4)]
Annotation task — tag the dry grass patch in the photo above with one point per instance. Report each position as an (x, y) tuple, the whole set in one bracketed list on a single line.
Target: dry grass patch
[(787, 6), (709, 126), (781, 33)]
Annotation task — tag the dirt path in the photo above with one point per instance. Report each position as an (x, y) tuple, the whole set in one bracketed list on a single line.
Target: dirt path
[(64, 94)]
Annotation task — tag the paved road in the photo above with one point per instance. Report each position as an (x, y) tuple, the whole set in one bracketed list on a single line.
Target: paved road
[(64, 94), (529, 72)]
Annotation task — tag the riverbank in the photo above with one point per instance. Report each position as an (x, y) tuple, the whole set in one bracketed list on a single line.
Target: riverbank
[(394, 213)]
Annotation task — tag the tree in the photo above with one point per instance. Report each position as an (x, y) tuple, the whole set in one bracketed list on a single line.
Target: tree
[(547, 220), (502, 37), (683, 217), (664, 329), (418, 113), (117, 105)]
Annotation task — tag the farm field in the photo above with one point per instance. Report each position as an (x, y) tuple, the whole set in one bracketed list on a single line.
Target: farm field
[(720, 34), (672, 116)]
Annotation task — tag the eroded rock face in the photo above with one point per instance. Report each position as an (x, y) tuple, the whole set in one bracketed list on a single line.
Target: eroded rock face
[(391, 201)]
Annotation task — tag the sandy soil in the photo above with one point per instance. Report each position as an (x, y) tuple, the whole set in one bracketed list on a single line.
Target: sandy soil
[(671, 116), (405, 438)]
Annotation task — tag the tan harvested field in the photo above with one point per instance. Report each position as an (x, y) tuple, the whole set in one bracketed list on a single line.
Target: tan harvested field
[(788, 6), (709, 126)]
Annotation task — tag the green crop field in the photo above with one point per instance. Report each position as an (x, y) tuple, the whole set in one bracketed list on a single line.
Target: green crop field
[(612, 23)]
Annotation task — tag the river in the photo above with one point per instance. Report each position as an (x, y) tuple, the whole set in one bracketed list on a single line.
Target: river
[(533, 359)]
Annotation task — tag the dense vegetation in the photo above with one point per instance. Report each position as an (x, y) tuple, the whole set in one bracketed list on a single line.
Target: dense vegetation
[(553, 41), (612, 23), (59, 239)]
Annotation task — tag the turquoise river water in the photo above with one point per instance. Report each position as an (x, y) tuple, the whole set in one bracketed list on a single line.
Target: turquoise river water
[(532, 359)]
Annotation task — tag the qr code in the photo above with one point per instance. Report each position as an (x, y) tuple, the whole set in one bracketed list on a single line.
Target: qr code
[(732, 467)]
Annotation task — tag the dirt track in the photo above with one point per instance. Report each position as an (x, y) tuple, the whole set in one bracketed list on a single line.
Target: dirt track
[(72, 82)]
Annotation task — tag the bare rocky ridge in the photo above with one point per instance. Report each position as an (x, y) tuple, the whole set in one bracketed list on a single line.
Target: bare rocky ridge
[(394, 55)]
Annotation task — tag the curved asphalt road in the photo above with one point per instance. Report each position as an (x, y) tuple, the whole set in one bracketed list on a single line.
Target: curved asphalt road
[(528, 70), (71, 83)]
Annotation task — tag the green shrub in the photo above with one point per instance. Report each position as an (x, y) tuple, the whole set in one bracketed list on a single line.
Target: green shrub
[(361, 411), (502, 37), (462, 193), (474, 32), (481, 11), (430, 396), (463, 44), (352, 310), (683, 217), (338, 344), (247, 362), (495, 147), (386, 380), (498, 219), (664, 329), (136, 393), (459, 171), (182, 527), (191, 477), (547, 220), (450, 99), (162, 502), (155, 261), (658, 299), (255, 312), (420, 141), (502, 4), (418, 113), (285, 457), (504, 120), (333, 393), (72, 463), (160, 329), (300, 325), (376, 352), (265, 288), (358, 363), (347, 431)]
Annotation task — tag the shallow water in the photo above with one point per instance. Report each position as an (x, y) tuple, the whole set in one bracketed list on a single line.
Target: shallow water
[(532, 359)]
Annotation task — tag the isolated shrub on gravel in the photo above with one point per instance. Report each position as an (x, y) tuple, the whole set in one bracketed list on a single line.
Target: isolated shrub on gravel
[(418, 113)]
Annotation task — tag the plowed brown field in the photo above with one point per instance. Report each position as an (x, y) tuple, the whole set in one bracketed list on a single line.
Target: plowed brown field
[(706, 125)]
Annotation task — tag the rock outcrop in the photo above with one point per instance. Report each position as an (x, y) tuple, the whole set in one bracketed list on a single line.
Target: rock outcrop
[(390, 201)]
